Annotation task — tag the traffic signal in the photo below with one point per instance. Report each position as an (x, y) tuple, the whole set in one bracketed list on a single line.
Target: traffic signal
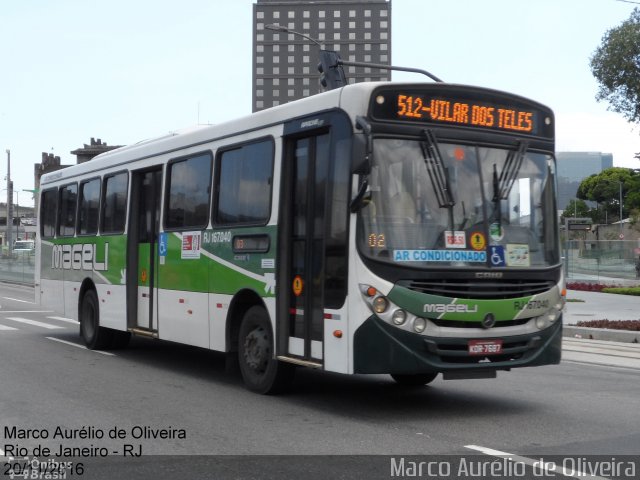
[(331, 72)]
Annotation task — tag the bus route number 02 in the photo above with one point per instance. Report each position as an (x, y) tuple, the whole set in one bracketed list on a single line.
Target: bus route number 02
[(377, 240)]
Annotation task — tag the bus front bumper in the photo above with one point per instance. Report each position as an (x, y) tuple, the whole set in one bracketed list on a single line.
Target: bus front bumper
[(381, 348)]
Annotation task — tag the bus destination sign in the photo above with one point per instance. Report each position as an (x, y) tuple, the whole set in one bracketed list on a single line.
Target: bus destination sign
[(467, 108)]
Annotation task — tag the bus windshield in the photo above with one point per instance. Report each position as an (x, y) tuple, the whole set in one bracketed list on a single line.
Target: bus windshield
[(445, 204)]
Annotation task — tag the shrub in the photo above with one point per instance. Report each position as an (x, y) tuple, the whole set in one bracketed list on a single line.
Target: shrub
[(633, 325), (623, 290)]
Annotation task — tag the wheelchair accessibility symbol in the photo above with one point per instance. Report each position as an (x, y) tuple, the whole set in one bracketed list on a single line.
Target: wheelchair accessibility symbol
[(496, 255), (162, 245)]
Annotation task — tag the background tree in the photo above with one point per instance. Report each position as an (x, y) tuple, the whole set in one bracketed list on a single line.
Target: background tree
[(604, 188), (576, 208), (616, 66)]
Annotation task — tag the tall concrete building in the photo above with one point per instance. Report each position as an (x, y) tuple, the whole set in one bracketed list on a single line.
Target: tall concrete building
[(285, 64), (573, 167)]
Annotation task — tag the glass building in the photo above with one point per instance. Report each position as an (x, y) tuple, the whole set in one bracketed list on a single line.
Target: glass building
[(573, 167)]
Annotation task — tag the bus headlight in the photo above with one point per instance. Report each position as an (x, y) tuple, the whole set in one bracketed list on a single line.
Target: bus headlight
[(399, 317), (541, 322), (380, 304), (419, 324), (390, 313)]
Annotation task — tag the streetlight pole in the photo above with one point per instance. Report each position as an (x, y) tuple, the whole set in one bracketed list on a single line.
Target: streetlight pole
[(621, 236), (17, 214), (9, 204)]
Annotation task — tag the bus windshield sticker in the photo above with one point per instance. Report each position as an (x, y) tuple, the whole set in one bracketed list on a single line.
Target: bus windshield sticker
[(477, 241), (190, 245), (497, 256), (439, 256), (455, 239), (496, 232), (517, 255)]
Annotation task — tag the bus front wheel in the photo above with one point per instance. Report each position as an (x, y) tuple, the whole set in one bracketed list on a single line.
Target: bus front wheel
[(261, 372), (415, 380), (94, 336)]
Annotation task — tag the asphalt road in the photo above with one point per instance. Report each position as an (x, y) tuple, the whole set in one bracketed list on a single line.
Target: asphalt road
[(192, 419)]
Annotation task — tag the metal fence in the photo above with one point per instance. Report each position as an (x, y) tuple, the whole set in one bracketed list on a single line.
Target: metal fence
[(17, 268), (602, 260)]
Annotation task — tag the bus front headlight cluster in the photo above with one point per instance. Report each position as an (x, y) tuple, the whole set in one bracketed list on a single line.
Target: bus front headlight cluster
[(551, 316), (391, 313), (399, 316)]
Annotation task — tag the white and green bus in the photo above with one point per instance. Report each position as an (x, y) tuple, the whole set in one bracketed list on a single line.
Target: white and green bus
[(379, 228)]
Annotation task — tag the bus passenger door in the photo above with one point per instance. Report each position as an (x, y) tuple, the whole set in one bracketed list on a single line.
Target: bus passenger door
[(302, 247), (142, 251)]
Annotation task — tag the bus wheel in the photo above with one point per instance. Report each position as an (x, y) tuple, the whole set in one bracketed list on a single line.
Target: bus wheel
[(94, 336), (415, 380), (260, 371)]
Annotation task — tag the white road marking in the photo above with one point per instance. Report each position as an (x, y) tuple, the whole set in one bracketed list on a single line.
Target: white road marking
[(4, 312), (33, 322), (63, 319), (531, 462), (77, 345), (4, 327), (17, 300)]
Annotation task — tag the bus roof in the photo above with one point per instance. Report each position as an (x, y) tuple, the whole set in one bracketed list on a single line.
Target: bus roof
[(351, 98), (200, 134)]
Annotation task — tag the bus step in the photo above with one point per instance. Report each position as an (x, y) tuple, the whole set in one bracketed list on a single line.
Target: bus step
[(144, 332), (299, 361)]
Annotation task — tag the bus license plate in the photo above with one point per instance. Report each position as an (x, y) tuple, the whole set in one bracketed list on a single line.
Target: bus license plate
[(485, 347)]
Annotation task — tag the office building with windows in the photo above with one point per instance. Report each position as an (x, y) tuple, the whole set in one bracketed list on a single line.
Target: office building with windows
[(285, 64), (573, 167)]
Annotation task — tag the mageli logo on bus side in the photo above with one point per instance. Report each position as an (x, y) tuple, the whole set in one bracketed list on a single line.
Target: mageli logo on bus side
[(79, 257)]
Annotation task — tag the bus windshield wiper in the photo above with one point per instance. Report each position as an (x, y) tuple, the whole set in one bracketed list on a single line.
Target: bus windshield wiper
[(503, 184), (438, 173)]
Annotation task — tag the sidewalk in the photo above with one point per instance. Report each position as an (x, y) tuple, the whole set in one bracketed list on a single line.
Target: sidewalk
[(600, 306), (596, 352)]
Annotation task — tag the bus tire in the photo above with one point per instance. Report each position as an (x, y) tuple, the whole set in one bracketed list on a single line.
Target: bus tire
[(95, 337), (261, 372), (414, 380)]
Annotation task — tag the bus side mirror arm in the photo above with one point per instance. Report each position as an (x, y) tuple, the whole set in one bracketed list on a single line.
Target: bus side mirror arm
[(362, 148), (362, 198)]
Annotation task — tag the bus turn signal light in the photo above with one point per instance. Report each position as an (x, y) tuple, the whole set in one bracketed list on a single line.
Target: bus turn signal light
[(337, 333)]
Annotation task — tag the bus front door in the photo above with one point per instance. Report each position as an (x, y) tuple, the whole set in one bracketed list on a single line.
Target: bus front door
[(307, 168), (143, 251)]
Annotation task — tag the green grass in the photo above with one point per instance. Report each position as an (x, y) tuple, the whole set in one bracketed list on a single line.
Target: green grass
[(623, 290)]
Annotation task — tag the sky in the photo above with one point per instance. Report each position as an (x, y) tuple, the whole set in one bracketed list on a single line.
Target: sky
[(126, 70)]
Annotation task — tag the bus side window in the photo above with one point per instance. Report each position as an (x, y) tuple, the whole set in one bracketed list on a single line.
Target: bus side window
[(68, 201), (244, 184), (89, 208), (114, 203), (48, 212), (189, 192)]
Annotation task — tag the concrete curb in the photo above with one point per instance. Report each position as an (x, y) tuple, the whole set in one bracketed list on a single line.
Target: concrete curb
[(605, 334)]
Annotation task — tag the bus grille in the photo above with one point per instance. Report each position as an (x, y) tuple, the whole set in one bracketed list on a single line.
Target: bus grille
[(462, 324), (478, 289)]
